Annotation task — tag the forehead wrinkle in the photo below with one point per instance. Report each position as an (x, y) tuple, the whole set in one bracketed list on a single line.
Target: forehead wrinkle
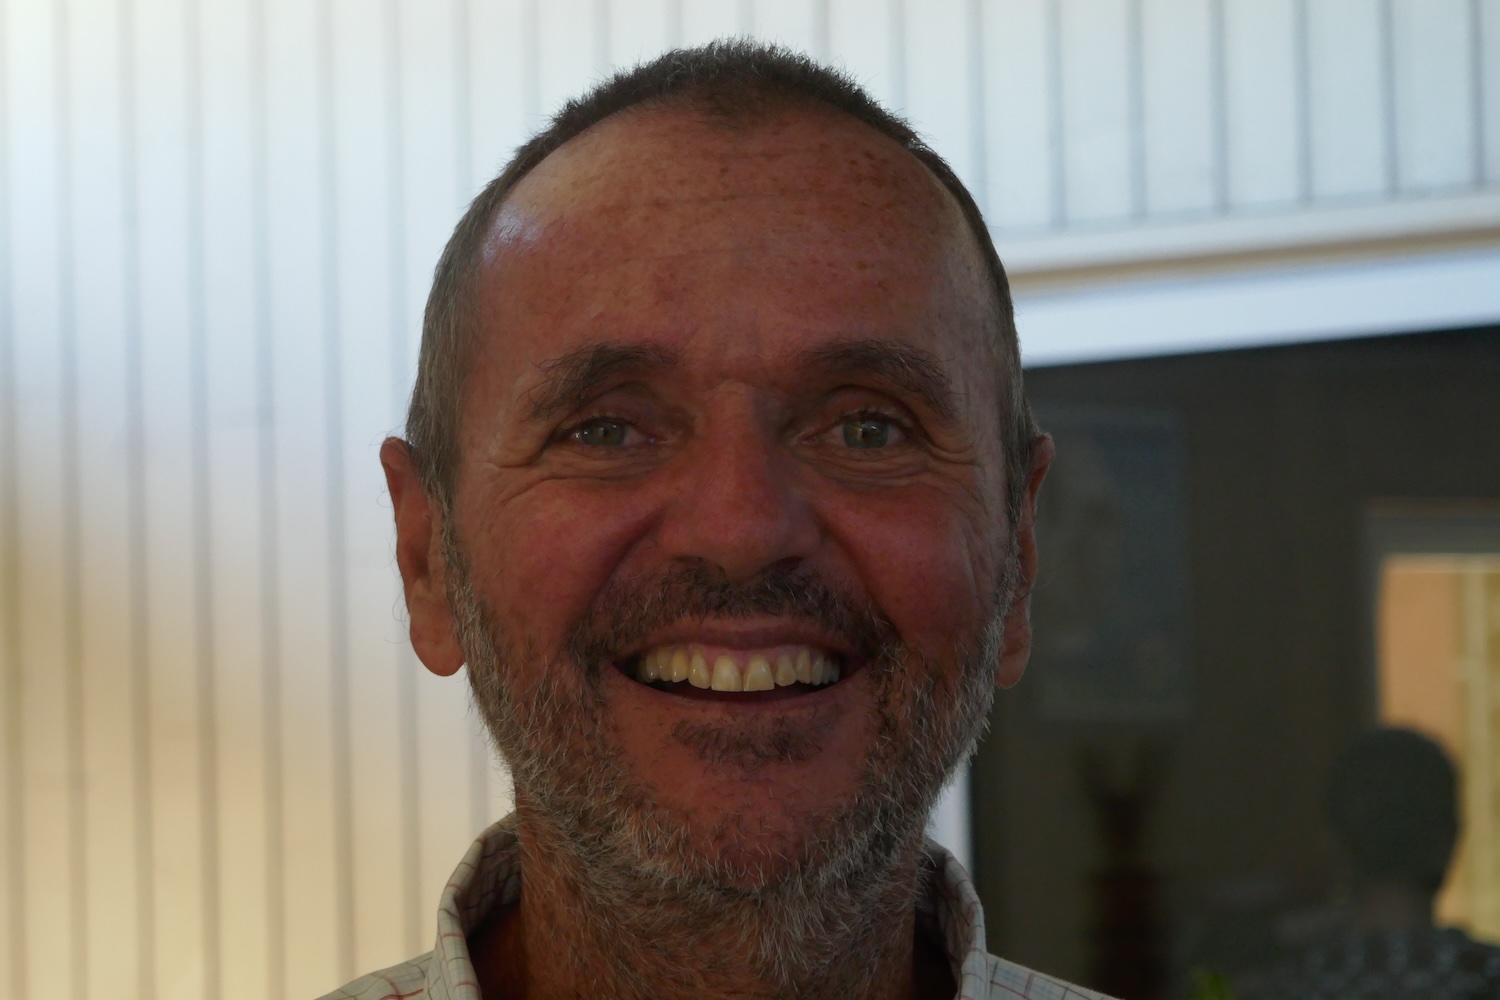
[(569, 379)]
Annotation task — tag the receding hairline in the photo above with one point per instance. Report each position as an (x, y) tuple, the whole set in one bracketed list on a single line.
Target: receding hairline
[(708, 112), (676, 110)]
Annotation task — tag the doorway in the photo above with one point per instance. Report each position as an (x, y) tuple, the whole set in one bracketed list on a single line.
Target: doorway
[(1437, 670)]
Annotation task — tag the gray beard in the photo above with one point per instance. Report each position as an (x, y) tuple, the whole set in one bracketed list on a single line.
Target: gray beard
[(646, 886)]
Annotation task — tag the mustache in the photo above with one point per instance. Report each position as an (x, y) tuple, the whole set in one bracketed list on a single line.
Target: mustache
[(626, 612)]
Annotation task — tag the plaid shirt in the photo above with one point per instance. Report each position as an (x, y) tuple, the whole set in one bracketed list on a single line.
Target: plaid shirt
[(489, 877)]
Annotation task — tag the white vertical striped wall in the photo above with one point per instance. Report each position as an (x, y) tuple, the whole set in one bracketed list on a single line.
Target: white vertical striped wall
[(223, 773)]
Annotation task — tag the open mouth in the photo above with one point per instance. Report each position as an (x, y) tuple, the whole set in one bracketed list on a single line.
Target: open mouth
[(692, 668)]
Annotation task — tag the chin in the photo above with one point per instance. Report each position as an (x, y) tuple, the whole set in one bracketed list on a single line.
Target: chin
[(752, 853), (760, 850)]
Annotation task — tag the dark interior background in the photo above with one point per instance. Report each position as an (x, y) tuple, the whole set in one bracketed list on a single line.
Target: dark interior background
[(1285, 450)]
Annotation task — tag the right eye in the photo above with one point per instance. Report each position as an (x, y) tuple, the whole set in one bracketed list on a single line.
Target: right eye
[(601, 432)]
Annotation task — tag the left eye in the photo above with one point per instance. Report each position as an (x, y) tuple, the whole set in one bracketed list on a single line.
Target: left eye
[(869, 430), (602, 433)]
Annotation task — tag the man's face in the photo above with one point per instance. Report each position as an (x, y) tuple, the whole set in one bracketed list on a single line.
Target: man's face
[(734, 408)]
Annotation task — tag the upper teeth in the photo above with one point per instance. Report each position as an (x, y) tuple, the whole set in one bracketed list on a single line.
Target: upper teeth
[(737, 670)]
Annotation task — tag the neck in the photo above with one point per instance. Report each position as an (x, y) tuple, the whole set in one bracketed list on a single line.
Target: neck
[(573, 934)]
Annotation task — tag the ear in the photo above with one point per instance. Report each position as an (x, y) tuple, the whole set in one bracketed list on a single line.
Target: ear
[(419, 555), (1017, 647)]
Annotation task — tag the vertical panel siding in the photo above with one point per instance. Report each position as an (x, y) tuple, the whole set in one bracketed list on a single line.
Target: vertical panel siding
[(1261, 102), (32, 60), (1177, 106), (224, 772), (1346, 128), (12, 745), (498, 114), (642, 31), (365, 175), (311, 931), (1019, 115), (566, 49), (799, 23), (703, 22), (205, 649), (335, 512), (115, 888), (267, 506), (1098, 173), (71, 665), (229, 220), (860, 40), (939, 89), (1486, 65), (12, 872), (165, 179), (1434, 94), (135, 576)]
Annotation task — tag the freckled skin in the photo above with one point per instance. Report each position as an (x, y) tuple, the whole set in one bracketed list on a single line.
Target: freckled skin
[(737, 248)]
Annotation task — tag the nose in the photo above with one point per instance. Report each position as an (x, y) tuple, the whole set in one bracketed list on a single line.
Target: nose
[(739, 503)]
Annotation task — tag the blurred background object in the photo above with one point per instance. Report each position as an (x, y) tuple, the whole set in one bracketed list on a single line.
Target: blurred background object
[(217, 225), (1391, 802), (1314, 477), (1443, 606)]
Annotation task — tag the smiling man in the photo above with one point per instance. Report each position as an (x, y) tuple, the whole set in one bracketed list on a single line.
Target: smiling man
[(720, 480)]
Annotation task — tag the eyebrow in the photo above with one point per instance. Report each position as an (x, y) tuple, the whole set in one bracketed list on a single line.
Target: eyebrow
[(570, 380), (908, 368)]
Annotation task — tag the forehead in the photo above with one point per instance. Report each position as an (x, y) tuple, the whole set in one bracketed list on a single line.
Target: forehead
[(640, 163), (750, 237)]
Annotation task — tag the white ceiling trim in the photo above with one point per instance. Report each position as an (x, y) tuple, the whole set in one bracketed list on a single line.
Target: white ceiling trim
[(1189, 241), (1272, 305)]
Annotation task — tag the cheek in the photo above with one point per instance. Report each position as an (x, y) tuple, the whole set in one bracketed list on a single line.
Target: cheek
[(551, 550), (923, 558)]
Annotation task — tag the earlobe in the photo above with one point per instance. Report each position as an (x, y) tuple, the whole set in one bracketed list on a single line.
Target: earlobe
[(1016, 651), (419, 556)]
